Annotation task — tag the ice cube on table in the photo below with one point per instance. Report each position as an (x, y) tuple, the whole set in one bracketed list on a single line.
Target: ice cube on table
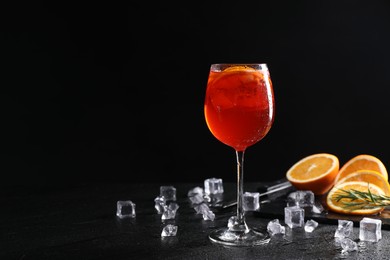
[(317, 208), (294, 216), (195, 191), (370, 229), (169, 231), (301, 198), (169, 192), (348, 245), (213, 186), (208, 215), (173, 206), (159, 204), (196, 199), (232, 221), (214, 200), (125, 208), (251, 201), (310, 225), (168, 214), (344, 228), (274, 227), (205, 210), (200, 208)]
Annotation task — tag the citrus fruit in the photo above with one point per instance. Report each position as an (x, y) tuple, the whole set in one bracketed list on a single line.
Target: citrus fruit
[(239, 68), (315, 172), (338, 206), (368, 176), (362, 162)]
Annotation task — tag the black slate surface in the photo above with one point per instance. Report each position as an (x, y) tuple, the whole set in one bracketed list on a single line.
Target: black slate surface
[(79, 222)]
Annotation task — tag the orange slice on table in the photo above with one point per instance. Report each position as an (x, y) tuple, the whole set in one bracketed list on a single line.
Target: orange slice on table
[(338, 206), (315, 172), (368, 176), (362, 162)]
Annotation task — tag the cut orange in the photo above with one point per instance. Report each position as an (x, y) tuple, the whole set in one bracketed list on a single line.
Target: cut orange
[(362, 162), (338, 206), (315, 172), (368, 176), (239, 68)]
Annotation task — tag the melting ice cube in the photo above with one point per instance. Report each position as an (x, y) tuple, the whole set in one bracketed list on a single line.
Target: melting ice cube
[(159, 204), (194, 191), (169, 192), (168, 214), (203, 207), (348, 245), (274, 227), (196, 199), (208, 215), (310, 225), (370, 229), (251, 201), (232, 221), (213, 186), (301, 198), (294, 216), (169, 231), (125, 208), (344, 228)]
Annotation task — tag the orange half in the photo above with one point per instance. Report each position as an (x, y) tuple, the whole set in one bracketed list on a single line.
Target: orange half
[(315, 172), (362, 162)]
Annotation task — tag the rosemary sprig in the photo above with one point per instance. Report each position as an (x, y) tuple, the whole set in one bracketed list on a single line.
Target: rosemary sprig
[(361, 199)]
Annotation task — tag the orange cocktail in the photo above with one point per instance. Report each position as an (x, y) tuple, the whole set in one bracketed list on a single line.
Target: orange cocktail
[(239, 112)]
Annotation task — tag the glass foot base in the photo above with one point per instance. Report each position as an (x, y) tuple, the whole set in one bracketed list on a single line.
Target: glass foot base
[(253, 237)]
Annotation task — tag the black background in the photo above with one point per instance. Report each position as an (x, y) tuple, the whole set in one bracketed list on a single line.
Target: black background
[(114, 91)]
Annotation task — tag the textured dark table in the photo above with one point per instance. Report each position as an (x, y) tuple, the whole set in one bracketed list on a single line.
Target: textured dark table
[(79, 222)]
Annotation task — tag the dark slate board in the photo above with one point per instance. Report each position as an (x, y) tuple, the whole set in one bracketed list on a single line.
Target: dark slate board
[(277, 202)]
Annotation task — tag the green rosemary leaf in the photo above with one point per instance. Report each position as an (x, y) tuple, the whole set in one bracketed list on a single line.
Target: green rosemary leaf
[(354, 199), (369, 193)]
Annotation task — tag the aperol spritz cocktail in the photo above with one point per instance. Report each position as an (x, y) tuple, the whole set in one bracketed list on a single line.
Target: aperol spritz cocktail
[(239, 111)]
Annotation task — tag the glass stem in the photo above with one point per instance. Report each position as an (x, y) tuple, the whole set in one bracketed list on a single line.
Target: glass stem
[(240, 191)]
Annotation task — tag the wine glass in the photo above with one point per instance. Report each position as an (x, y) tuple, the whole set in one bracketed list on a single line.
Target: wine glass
[(239, 111)]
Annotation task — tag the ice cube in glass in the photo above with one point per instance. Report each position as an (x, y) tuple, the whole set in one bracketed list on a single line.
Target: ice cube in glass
[(125, 208), (251, 201), (169, 192), (213, 186), (294, 216), (344, 228), (370, 229)]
